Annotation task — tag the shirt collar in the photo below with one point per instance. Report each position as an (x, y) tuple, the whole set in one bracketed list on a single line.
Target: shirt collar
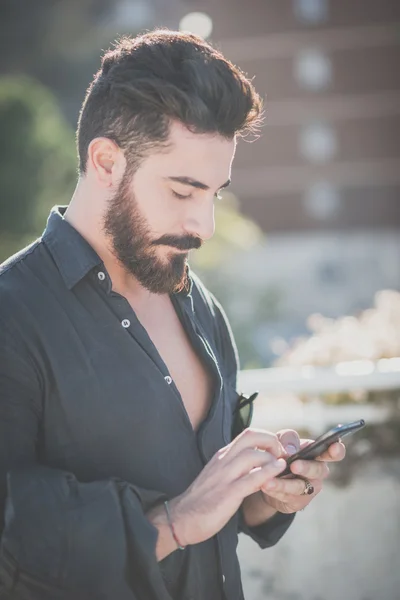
[(186, 291), (73, 255)]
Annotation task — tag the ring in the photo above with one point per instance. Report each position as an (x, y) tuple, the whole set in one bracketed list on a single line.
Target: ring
[(308, 489)]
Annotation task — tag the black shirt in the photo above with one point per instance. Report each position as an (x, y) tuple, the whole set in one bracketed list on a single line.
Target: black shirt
[(93, 432)]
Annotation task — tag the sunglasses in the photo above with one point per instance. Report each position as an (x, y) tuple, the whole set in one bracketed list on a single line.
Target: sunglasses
[(243, 413)]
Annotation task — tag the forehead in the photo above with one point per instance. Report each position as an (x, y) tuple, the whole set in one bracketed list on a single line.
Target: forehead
[(204, 157)]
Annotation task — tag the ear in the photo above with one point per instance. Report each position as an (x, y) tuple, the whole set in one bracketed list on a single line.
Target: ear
[(106, 161)]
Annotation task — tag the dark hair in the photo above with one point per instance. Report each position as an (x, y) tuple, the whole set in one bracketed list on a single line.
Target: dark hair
[(147, 81)]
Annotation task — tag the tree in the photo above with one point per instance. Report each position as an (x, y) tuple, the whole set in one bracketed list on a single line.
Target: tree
[(37, 159)]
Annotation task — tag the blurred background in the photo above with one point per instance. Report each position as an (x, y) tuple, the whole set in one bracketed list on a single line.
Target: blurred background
[(306, 255)]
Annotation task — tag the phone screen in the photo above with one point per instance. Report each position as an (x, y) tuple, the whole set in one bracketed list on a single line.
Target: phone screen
[(321, 444)]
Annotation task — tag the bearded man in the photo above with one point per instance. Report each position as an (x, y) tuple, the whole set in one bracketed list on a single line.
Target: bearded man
[(120, 477)]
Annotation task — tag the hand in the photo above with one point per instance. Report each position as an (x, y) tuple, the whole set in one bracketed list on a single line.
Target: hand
[(286, 494), (235, 472)]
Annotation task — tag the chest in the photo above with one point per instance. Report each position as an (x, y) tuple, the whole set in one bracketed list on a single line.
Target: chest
[(188, 371), (108, 410)]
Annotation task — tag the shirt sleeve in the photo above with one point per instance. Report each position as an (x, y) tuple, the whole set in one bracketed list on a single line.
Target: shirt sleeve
[(58, 533), (269, 533)]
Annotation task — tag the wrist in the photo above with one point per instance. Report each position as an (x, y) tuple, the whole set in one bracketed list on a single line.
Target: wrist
[(264, 498), (178, 522), (158, 517), (257, 510), (171, 524)]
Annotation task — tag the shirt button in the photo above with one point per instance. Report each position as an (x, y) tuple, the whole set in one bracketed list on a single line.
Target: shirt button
[(223, 578), (168, 379), (101, 275), (126, 323)]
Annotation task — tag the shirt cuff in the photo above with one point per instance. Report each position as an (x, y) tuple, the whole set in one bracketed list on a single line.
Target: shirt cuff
[(269, 533)]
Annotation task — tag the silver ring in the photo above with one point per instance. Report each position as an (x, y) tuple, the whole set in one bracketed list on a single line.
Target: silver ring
[(308, 488)]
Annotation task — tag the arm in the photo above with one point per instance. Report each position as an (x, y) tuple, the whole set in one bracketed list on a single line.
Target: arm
[(256, 511), (105, 537), (267, 514), (256, 518), (55, 528)]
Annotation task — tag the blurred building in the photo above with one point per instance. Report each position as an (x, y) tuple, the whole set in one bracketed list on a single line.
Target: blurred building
[(324, 179)]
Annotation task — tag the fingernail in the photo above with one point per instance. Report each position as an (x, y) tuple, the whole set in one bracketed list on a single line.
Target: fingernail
[(290, 449), (280, 463)]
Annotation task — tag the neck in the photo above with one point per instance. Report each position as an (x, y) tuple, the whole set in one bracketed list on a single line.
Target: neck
[(84, 214)]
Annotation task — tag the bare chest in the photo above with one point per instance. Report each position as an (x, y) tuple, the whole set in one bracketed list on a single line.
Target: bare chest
[(185, 367)]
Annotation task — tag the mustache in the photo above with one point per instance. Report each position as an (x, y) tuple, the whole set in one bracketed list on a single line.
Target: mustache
[(189, 242)]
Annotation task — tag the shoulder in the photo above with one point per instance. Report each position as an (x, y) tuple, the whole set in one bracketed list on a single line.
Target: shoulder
[(21, 301), (11, 270), (19, 276)]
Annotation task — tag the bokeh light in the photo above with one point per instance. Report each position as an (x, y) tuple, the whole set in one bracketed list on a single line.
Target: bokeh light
[(318, 142), (313, 69), (198, 23), (311, 11), (322, 200)]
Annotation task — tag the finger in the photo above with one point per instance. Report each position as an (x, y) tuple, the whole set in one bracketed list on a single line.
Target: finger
[(335, 453), (256, 438), (290, 440), (252, 482), (311, 469), (249, 459), (290, 498), (294, 487)]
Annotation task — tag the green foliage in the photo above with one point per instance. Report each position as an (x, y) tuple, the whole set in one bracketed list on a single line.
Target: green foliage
[(37, 160)]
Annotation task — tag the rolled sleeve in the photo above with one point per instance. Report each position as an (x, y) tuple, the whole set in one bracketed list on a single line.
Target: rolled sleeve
[(269, 533), (77, 537), (60, 537)]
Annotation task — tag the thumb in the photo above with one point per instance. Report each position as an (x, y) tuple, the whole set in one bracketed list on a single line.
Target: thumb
[(290, 440)]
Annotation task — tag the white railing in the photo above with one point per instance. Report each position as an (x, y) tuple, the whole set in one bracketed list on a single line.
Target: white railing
[(279, 405), (343, 377)]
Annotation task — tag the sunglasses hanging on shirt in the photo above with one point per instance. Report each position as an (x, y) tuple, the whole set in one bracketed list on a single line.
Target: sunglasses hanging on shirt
[(243, 413)]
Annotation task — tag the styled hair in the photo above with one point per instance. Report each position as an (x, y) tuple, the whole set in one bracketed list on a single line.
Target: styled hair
[(148, 81)]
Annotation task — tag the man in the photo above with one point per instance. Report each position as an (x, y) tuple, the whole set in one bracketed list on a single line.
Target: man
[(118, 368)]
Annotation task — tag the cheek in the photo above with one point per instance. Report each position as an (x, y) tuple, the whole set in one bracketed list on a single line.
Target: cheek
[(163, 213)]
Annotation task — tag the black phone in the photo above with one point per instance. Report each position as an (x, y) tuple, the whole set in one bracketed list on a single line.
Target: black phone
[(321, 444)]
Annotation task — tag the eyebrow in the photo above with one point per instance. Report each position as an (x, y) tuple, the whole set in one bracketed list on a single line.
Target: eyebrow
[(196, 184)]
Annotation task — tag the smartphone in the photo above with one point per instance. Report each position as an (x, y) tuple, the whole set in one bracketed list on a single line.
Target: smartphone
[(321, 444)]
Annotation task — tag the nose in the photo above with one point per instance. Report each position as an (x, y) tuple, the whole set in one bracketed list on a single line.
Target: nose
[(200, 221)]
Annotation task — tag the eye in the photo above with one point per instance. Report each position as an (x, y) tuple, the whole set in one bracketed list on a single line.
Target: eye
[(181, 196), (217, 195)]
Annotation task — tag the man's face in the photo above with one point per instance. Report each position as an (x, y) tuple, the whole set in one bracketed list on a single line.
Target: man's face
[(167, 207)]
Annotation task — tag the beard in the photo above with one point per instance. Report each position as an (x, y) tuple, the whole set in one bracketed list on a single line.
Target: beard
[(136, 251)]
